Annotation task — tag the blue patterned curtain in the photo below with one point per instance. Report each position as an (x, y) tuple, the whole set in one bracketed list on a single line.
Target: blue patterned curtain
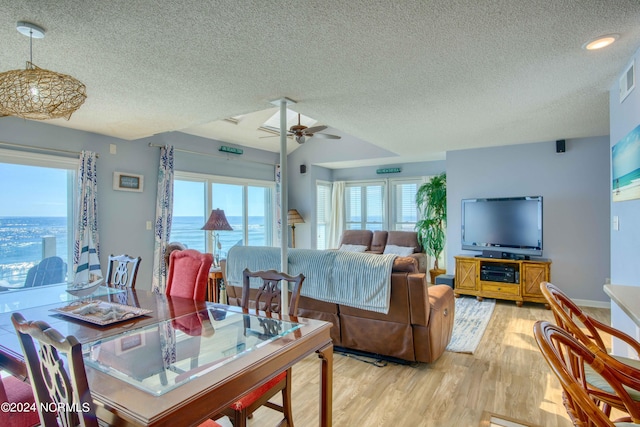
[(164, 213), (86, 248)]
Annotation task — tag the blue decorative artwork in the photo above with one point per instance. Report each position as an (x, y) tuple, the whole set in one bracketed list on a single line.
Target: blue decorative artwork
[(625, 167)]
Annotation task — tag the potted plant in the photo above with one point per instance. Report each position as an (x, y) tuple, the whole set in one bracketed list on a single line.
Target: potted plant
[(431, 200)]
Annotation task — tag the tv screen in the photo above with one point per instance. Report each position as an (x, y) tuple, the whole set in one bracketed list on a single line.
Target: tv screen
[(512, 225)]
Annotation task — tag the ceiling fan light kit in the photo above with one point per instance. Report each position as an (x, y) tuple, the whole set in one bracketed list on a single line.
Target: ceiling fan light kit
[(36, 93)]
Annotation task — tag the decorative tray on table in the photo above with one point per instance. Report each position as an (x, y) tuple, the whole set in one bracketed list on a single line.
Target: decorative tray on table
[(101, 312)]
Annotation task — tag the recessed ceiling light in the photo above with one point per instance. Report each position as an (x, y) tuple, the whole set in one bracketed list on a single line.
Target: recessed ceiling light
[(600, 42)]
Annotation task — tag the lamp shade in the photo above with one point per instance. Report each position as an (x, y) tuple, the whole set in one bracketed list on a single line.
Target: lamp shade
[(217, 221), (293, 217)]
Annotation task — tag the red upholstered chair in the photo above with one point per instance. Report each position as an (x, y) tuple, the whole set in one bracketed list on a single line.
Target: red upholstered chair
[(13, 390), (188, 274), (268, 300)]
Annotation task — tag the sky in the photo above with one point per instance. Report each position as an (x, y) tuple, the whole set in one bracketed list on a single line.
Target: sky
[(40, 191), (32, 191)]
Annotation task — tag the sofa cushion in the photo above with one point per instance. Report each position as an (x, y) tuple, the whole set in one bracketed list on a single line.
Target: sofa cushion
[(353, 248), (379, 241), (404, 238), (398, 250), (356, 237)]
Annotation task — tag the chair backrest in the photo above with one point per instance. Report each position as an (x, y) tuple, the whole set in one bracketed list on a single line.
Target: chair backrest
[(172, 246), (122, 271), (52, 383), (570, 317), (268, 295), (568, 359), (47, 272), (188, 274)]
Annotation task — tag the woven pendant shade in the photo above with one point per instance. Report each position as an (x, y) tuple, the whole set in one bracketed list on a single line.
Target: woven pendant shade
[(36, 93)]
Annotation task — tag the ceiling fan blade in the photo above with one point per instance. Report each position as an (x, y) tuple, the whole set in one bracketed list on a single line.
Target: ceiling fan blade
[(326, 136), (314, 129)]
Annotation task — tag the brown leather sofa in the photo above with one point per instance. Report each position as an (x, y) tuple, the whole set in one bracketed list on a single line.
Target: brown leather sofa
[(377, 241), (417, 327)]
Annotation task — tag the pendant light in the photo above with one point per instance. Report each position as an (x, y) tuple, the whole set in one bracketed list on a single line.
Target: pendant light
[(36, 93)]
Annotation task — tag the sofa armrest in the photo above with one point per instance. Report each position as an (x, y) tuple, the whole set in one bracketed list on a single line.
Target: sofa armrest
[(418, 298), (421, 257)]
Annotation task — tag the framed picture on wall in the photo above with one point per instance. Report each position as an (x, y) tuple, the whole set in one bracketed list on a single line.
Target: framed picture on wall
[(625, 167), (124, 181)]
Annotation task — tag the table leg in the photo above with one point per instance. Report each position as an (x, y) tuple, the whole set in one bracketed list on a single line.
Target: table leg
[(326, 385)]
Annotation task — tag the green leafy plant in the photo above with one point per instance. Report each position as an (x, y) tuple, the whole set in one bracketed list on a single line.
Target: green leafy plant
[(431, 200)]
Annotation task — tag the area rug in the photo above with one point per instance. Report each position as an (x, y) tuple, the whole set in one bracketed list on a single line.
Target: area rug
[(470, 321)]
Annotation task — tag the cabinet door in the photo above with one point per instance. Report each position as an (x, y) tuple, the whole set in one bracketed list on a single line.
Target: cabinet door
[(466, 274), (531, 276)]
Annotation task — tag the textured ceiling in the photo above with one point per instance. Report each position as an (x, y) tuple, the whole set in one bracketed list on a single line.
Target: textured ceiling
[(416, 78)]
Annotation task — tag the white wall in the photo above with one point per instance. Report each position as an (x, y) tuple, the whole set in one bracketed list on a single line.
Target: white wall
[(575, 191)]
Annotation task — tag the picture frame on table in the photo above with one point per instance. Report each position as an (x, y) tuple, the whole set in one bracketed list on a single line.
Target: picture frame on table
[(124, 181)]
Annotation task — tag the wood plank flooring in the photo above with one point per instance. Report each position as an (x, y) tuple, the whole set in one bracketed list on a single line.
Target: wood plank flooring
[(506, 376)]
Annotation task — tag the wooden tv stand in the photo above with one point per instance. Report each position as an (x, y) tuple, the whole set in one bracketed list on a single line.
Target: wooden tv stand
[(530, 273)]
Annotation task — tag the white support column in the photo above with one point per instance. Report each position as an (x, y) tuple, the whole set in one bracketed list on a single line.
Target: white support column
[(284, 201)]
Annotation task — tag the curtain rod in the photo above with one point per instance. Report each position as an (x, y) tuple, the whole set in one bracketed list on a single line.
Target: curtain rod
[(51, 150), (199, 153)]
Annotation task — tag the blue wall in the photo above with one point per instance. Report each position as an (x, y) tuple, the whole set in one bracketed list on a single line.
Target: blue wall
[(625, 268), (575, 191), (123, 215)]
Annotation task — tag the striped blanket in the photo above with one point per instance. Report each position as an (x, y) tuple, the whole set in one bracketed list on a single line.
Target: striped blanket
[(354, 279)]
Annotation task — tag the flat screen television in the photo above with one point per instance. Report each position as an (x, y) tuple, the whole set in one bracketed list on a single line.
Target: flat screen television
[(507, 226)]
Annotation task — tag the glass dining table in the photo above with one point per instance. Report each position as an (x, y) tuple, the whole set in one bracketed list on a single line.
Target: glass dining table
[(181, 361)]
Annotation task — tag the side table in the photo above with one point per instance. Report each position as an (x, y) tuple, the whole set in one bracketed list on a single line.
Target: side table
[(215, 286)]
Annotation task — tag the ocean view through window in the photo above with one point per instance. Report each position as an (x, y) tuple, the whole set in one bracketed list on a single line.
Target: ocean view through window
[(248, 206), (36, 213)]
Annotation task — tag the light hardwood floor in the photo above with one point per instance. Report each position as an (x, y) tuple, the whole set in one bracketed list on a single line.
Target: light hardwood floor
[(506, 376)]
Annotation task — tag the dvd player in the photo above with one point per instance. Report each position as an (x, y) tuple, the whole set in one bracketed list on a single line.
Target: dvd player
[(495, 272)]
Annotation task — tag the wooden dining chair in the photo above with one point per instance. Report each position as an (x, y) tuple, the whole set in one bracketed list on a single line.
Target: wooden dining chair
[(55, 385), (52, 383), (188, 274), (267, 298), (569, 360), (590, 332), (122, 271), (15, 391)]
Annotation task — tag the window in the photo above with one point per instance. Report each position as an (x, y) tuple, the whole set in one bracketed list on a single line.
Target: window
[(36, 214), (404, 212), (248, 206), (323, 212), (388, 204), (365, 206)]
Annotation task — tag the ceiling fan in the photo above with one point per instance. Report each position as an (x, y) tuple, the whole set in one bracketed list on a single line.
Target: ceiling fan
[(301, 132)]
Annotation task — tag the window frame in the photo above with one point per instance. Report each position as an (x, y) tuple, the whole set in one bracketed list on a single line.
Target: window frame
[(52, 161), (209, 179)]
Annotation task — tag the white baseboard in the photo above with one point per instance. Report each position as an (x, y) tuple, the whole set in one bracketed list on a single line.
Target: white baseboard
[(590, 303)]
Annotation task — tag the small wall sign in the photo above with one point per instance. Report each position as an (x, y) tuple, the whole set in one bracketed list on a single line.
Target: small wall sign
[(388, 170), (231, 150), (128, 182)]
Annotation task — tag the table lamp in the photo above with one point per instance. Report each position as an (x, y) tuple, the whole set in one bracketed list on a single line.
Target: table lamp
[(293, 218), (217, 221)]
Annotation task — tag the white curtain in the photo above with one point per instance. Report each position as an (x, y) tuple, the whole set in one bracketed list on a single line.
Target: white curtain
[(164, 212), (86, 248), (336, 223)]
